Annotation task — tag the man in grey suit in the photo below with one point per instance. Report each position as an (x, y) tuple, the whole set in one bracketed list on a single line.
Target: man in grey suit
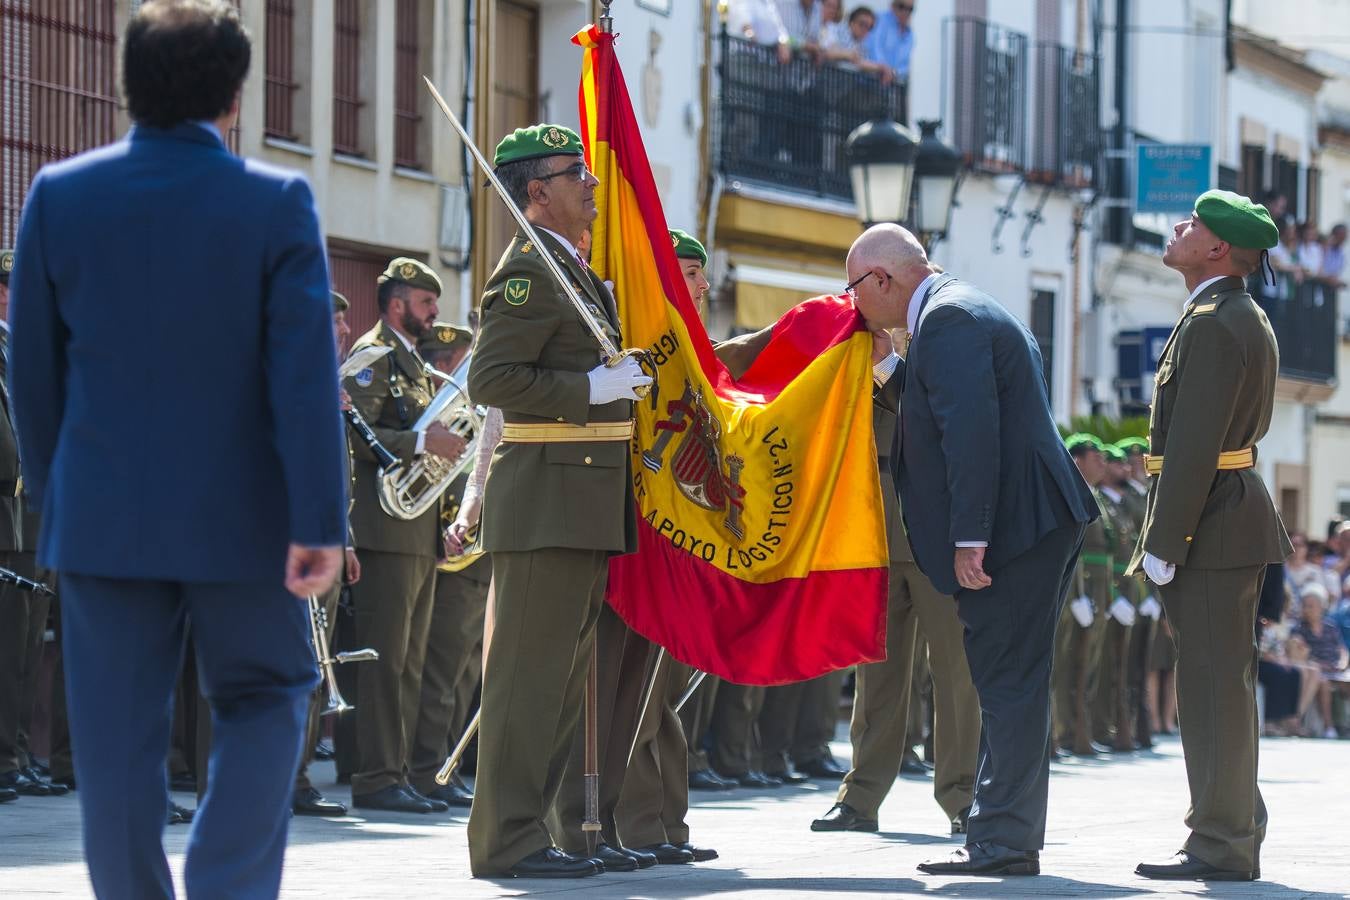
[(995, 510)]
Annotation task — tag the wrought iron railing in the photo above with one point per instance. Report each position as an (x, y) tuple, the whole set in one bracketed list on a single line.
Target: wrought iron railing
[(784, 124), (1303, 317), (987, 68), (279, 84), (1066, 133)]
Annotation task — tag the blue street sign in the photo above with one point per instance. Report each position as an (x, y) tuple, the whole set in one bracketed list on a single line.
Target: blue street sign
[(1170, 176)]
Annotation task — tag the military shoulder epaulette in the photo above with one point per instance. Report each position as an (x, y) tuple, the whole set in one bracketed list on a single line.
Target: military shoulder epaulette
[(1204, 308)]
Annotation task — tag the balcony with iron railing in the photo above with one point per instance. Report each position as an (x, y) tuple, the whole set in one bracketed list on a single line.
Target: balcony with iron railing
[(1304, 319), (783, 125)]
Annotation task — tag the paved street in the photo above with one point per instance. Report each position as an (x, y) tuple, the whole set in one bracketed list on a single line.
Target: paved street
[(1104, 817)]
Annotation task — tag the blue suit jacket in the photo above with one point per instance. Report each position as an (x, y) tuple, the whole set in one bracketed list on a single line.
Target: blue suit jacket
[(173, 368), (978, 457)]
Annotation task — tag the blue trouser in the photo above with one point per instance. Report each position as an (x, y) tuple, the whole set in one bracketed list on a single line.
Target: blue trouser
[(123, 646), (1010, 644)]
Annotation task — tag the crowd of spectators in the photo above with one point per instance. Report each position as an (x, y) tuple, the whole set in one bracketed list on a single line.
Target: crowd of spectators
[(1304, 639), (878, 43), (1303, 255)]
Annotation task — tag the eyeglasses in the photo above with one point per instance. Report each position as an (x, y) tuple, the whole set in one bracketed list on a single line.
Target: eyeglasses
[(851, 289), (576, 170)]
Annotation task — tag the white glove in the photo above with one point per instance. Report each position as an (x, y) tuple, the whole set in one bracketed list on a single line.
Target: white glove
[(617, 383), (1150, 608), (1082, 611), (1158, 572), (1122, 612)]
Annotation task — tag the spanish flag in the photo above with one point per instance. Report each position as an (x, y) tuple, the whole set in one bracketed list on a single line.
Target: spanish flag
[(762, 553)]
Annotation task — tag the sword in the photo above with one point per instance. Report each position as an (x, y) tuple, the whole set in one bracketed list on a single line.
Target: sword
[(25, 584), (612, 355)]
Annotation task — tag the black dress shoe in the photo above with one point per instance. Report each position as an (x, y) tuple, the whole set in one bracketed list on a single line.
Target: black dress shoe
[(824, 767), (180, 815), (20, 782), (436, 805), (553, 863), (790, 775), (644, 859), (56, 788), (183, 782), (324, 750), (753, 779), (668, 854), (912, 765), (395, 798), (700, 854), (707, 780), (985, 858), (1186, 867), (8, 794), (961, 823), (309, 802), (450, 794), (612, 860), (843, 817)]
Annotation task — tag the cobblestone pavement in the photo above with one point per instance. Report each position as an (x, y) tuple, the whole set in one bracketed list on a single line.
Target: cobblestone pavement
[(1104, 817)]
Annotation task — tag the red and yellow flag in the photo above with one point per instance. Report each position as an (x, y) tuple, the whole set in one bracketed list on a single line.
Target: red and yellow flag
[(762, 553)]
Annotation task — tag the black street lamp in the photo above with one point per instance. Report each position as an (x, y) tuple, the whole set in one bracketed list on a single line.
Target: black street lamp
[(881, 156), (935, 172)]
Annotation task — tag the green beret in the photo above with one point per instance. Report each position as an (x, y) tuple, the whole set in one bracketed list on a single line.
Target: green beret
[(411, 272), (1132, 445), (687, 246), (340, 303), (6, 265), (1237, 220), (537, 141), (1091, 441), (442, 337), (1114, 453)]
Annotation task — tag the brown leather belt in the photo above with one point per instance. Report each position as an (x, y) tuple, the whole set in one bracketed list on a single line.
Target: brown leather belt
[(562, 432), (1229, 460)]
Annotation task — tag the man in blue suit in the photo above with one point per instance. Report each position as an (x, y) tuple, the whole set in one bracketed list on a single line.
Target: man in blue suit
[(995, 510), (174, 389)]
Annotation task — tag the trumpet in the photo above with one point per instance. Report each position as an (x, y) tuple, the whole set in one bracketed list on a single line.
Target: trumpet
[(318, 635)]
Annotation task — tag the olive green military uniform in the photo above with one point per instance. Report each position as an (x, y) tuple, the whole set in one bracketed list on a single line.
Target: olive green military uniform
[(328, 601), (23, 615), (1215, 392), (553, 514), (1078, 650), (655, 797), (882, 700), (1145, 630), (696, 717), (1113, 717), (393, 599), (454, 657)]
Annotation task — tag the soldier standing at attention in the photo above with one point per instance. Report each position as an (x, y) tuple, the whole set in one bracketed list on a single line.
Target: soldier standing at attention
[(654, 802), (394, 597), (557, 505), (1211, 528), (456, 630)]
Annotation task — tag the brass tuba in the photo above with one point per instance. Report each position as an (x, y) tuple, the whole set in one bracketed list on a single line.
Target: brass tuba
[(408, 491)]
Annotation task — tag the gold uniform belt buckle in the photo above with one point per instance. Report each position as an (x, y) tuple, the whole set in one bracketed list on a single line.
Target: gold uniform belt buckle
[(1228, 461)]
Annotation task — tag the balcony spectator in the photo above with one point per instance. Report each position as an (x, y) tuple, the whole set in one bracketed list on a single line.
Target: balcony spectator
[(891, 41), (842, 43), (759, 21), (802, 20), (1333, 258), (1309, 256), (1326, 651), (891, 44)]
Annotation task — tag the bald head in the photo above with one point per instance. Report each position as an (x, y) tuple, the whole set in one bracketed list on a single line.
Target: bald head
[(887, 246), (898, 261)]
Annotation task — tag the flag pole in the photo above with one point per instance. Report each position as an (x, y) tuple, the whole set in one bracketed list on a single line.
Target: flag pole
[(590, 821)]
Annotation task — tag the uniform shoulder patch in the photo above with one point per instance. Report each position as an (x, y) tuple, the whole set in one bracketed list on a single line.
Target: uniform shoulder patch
[(1202, 308), (516, 291), (365, 377)]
